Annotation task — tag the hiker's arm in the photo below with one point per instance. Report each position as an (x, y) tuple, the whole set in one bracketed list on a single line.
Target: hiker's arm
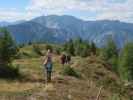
[(44, 59)]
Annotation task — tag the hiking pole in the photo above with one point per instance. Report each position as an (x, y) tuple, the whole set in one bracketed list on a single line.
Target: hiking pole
[(44, 72), (99, 93)]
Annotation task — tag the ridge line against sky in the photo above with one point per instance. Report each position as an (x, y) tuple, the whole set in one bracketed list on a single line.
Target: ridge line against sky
[(12, 10)]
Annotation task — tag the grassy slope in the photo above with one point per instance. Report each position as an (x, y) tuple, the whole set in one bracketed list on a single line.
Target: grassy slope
[(94, 71)]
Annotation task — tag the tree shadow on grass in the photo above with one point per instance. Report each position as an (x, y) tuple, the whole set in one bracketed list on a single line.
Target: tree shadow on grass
[(31, 80), (9, 72), (13, 73)]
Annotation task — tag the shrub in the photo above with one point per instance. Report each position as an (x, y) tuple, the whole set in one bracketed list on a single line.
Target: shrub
[(37, 49), (115, 97), (67, 70)]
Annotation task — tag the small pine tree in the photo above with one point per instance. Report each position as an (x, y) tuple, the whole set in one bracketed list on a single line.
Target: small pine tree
[(84, 49), (8, 48), (70, 47), (110, 54), (8, 52), (126, 62), (78, 46), (110, 50)]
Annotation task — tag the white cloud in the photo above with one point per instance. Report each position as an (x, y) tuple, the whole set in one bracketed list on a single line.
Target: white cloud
[(14, 14), (39, 5), (120, 11), (9, 14), (104, 9), (101, 9)]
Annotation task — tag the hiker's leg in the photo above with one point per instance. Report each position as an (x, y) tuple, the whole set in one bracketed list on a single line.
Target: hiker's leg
[(47, 79), (49, 71), (49, 76)]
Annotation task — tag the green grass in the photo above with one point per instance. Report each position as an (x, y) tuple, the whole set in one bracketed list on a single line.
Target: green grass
[(68, 70), (92, 69)]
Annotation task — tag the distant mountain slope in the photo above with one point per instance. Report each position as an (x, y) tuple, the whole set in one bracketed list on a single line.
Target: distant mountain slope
[(34, 32), (59, 29), (4, 23)]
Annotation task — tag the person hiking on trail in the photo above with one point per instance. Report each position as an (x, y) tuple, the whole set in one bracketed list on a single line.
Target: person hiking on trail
[(63, 59), (68, 59), (48, 64)]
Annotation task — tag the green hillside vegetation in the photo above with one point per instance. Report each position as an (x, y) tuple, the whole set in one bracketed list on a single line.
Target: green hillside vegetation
[(8, 52), (91, 71), (126, 62), (94, 73)]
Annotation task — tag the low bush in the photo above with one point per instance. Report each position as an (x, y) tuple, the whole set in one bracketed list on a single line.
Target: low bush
[(68, 70), (37, 49)]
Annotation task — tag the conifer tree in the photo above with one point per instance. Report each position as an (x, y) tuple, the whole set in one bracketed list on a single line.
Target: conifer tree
[(126, 62), (8, 48)]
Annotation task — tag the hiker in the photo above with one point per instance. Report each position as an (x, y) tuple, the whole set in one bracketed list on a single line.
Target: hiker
[(48, 64), (68, 59), (63, 59)]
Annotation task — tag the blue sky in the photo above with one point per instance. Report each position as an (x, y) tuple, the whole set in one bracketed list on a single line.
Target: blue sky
[(19, 4), (12, 10)]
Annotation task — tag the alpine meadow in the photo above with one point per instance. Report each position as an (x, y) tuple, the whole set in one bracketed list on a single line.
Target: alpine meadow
[(66, 50)]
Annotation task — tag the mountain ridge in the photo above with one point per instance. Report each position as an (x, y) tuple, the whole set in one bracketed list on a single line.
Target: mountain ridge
[(59, 29)]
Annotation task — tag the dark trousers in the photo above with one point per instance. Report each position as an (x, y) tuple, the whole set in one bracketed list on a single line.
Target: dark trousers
[(49, 76), (48, 68)]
